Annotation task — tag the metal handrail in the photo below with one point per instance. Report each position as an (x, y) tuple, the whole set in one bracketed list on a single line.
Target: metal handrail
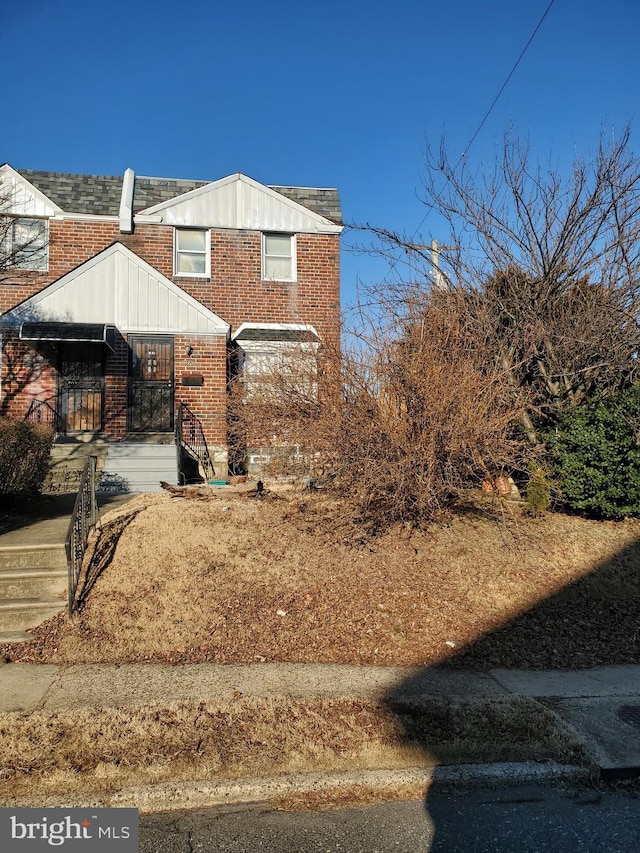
[(83, 520), (190, 437), (41, 412)]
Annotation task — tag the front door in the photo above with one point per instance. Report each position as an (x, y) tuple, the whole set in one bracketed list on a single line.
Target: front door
[(151, 384), (81, 386)]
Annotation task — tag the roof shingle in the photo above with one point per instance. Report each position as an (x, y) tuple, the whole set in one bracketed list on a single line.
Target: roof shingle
[(100, 194)]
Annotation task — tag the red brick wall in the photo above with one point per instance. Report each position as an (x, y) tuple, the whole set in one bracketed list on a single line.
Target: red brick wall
[(235, 290), (209, 400), (26, 375), (116, 389)]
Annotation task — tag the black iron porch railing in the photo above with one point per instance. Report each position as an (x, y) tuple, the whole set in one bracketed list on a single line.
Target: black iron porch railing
[(83, 520), (190, 440), (41, 412)]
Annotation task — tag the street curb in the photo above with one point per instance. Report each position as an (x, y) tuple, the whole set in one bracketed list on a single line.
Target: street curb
[(417, 782), (411, 781)]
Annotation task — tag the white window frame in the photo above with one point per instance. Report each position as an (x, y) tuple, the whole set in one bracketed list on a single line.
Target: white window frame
[(207, 254), (11, 252), (261, 359), (294, 272)]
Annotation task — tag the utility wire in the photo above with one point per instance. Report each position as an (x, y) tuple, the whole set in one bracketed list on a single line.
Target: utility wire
[(486, 115), (504, 85)]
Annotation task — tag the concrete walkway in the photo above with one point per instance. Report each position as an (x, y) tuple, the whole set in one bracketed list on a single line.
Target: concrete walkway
[(602, 705), (47, 523)]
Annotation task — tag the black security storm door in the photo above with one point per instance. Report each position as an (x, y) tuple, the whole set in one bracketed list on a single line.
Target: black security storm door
[(151, 384), (81, 385)]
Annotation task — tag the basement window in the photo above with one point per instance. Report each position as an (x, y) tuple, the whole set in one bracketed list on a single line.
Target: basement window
[(192, 255)]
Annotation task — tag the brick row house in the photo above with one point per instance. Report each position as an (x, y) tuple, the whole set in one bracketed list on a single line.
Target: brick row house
[(121, 298)]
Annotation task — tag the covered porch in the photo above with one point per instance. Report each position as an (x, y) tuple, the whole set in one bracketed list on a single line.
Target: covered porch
[(114, 352)]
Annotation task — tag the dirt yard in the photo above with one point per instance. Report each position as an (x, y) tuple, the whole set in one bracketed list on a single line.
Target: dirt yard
[(233, 579)]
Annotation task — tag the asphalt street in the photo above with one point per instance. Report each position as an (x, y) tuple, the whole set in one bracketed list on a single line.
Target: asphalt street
[(526, 819)]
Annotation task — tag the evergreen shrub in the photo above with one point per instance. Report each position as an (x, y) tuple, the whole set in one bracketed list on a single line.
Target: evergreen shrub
[(594, 451), (24, 459)]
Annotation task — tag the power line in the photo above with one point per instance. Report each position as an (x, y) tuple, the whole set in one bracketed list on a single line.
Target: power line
[(504, 85), (488, 112)]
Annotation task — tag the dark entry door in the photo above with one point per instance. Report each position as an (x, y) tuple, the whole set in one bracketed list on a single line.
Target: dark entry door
[(151, 384), (81, 386)]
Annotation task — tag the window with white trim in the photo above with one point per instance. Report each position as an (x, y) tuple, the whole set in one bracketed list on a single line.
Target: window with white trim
[(271, 368), (24, 243), (278, 257), (192, 254)]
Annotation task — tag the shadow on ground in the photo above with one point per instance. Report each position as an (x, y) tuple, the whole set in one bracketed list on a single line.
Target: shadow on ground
[(44, 508), (106, 543), (593, 621)]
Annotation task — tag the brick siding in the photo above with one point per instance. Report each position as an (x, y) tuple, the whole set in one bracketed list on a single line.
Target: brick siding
[(235, 292)]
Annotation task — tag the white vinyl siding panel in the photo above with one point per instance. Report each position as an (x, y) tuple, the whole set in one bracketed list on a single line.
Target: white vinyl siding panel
[(243, 204), (22, 197), (118, 288)]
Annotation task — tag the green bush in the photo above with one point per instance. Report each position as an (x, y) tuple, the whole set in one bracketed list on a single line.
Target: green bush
[(594, 451), (24, 459), (539, 489)]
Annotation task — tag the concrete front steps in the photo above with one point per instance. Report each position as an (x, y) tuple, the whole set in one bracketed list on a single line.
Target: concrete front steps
[(123, 467), (67, 461), (33, 587), (138, 466)]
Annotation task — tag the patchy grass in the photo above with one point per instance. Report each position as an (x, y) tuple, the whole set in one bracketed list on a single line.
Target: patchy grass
[(235, 580), (95, 752)]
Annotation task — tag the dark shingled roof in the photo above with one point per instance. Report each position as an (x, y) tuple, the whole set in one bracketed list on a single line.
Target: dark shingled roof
[(97, 194), (100, 194), (151, 191), (326, 202), (253, 334)]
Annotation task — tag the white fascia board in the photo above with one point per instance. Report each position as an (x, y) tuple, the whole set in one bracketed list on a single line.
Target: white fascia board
[(276, 327), (90, 217), (325, 226), (7, 171), (143, 219)]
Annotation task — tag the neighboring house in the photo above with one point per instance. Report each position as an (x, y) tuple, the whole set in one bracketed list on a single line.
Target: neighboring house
[(132, 291)]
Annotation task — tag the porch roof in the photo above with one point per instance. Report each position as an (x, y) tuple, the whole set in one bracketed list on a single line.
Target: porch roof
[(98, 333)]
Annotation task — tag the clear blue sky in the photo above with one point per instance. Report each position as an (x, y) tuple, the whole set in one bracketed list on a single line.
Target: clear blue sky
[(335, 93)]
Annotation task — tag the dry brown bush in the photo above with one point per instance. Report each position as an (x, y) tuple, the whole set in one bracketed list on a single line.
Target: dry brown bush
[(401, 423), (549, 262)]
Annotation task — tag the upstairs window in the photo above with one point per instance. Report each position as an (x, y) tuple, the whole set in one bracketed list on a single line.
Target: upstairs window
[(192, 252), (24, 243), (278, 257)]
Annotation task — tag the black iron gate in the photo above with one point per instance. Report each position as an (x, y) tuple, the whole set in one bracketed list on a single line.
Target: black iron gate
[(150, 384), (81, 386)]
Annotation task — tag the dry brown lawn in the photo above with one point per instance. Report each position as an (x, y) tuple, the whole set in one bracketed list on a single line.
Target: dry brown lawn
[(291, 578), (96, 752)]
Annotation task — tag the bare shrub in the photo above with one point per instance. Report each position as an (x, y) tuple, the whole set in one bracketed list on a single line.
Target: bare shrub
[(550, 263), (401, 423)]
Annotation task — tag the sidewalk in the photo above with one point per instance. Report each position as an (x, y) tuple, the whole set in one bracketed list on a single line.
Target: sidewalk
[(48, 522), (602, 705)]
